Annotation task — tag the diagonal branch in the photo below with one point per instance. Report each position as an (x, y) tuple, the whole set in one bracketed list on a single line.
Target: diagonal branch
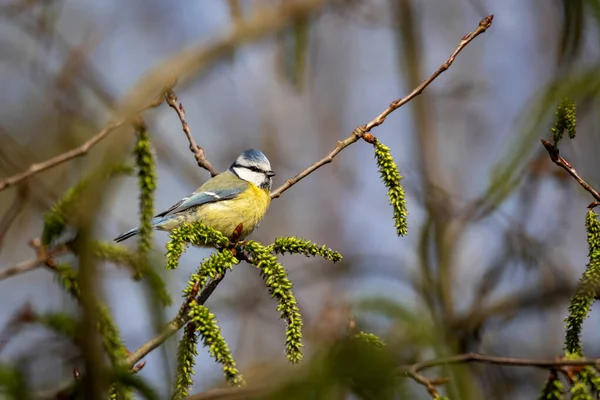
[(61, 158), (71, 154), (43, 257), (557, 159), (171, 99), (176, 323), (361, 131)]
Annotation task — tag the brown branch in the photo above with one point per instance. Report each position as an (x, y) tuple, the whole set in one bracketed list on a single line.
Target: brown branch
[(61, 158), (73, 153), (361, 131), (506, 361), (173, 102), (556, 158), (43, 257), (175, 325), (413, 371)]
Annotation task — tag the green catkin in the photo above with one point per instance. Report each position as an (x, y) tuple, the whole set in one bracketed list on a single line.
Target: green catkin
[(565, 120), (553, 389), (215, 264), (206, 326), (582, 300), (294, 245), (186, 360), (280, 288), (147, 182), (390, 176), (196, 234), (580, 391), (371, 339)]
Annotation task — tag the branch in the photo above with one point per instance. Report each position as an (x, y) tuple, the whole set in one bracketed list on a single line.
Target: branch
[(361, 131), (555, 156), (171, 99), (61, 158), (71, 154), (412, 371), (506, 361), (176, 323), (43, 257)]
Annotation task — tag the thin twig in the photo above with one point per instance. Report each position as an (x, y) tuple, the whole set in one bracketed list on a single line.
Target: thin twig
[(43, 257), (173, 102), (61, 158), (413, 371), (506, 361), (73, 153), (555, 156), (175, 325), (361, 131)]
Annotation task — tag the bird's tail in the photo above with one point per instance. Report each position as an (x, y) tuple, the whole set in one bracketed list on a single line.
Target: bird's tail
[(155, 222), (127, 235)]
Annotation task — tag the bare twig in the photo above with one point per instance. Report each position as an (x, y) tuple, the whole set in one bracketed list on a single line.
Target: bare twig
[(413, 371), (171, 99), (43, 257), (506, 361), (176, 324), (76, 152), (561, 162), (61, 158), (13, 212), (361, 131)]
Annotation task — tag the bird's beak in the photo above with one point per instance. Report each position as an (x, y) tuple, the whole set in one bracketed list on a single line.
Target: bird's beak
[(271, 174)]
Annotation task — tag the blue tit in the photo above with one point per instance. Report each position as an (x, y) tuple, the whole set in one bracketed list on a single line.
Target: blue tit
[(240, 195)]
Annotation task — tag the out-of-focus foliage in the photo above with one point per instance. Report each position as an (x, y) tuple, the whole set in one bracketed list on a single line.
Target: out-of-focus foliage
[(147, 183)]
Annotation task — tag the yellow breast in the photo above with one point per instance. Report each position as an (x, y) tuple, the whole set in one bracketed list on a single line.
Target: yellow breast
[(248, 208)]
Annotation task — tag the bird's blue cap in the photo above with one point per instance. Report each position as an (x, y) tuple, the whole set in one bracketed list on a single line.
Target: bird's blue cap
[(254, 155)]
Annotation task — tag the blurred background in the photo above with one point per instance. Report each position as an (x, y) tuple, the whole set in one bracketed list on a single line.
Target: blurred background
[(496, 237)]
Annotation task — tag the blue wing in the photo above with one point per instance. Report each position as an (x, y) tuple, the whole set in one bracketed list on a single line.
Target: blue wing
[(197, 199)]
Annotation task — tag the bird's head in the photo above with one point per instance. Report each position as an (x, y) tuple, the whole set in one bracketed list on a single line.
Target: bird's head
[(253, 166)]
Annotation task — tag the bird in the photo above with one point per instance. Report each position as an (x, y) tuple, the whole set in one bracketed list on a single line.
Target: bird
[(234, 199)]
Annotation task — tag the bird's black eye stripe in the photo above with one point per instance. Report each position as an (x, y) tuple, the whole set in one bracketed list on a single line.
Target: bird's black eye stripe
[(252, 168)]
